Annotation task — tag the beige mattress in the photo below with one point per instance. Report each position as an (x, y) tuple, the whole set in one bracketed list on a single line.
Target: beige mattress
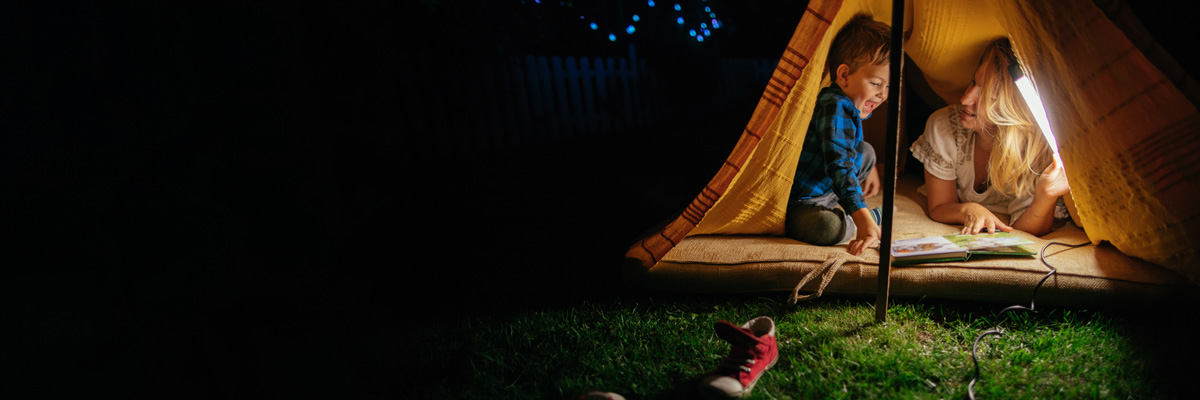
[(1089, 275)]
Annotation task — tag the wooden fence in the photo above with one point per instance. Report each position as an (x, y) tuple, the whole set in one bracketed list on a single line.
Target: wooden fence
[(462, 107)]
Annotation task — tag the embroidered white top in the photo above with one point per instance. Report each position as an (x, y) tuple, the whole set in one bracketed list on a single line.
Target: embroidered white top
[(947, 150)]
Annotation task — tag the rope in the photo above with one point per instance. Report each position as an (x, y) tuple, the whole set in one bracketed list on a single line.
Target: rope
[(827, 270)]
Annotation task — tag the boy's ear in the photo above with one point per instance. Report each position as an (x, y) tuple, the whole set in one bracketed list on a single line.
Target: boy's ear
[(842, 75)]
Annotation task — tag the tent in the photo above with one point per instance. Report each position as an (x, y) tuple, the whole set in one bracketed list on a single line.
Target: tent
[(1125, 118)]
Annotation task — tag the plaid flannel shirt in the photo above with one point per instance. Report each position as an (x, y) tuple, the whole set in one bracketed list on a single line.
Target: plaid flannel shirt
[(829, 160)]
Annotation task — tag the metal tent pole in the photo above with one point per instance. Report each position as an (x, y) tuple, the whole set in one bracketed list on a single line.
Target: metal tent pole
[(890, 159)]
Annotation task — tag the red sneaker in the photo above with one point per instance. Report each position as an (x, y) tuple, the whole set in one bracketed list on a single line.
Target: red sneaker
[(753, 350)]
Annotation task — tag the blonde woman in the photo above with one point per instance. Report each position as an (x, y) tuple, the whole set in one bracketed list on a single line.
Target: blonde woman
[(987, 156)]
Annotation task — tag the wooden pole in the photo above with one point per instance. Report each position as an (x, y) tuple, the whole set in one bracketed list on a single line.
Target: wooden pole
[(889, 159)]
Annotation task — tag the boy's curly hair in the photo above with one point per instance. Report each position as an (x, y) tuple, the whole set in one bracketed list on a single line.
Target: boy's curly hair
[(861, 40)]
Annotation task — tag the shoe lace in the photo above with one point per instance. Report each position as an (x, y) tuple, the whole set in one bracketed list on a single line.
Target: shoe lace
[(737, 363), (739, 359)]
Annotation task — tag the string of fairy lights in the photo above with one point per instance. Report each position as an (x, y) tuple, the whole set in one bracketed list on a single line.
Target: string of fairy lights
[(698, 18)]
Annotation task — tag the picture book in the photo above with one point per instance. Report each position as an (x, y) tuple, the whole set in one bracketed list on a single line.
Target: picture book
[(958, 247)]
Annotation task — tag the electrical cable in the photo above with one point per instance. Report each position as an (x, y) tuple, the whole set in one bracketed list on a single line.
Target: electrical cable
[(996, 330)]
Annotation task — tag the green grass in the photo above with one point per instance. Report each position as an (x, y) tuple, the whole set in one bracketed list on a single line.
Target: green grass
[(657, 347)]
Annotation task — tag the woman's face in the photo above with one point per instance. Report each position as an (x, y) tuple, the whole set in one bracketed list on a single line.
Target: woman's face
[(970, 102)]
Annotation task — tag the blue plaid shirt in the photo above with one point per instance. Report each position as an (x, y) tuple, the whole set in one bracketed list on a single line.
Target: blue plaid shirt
[(829, 160)]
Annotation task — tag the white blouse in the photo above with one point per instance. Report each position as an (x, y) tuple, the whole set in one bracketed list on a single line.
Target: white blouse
[(947, 150)]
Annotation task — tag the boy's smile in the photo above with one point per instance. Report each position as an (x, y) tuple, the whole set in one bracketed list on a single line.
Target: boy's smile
[(867, 87)]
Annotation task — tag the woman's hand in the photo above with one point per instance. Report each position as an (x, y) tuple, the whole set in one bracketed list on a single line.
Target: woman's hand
[(1052, 182), (1038, 219), (944, 207), (871, 185), (976, 218)]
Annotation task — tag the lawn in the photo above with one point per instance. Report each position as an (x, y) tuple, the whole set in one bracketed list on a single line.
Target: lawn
[(528, 333), (657, 346)]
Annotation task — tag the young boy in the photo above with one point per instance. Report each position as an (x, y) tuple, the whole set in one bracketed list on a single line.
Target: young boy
[(836, 166)]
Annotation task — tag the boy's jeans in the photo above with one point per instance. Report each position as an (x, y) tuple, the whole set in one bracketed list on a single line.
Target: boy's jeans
[(819, 220)]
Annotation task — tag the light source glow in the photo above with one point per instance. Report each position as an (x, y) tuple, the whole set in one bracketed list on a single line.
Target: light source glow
[(594, 26), (636, 18), (1034, 101), (650, 3), (679, 20), (677, 7), (612, 37), (630, 29)]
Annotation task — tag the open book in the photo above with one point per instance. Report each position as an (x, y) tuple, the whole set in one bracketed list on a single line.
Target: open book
[(958, 247)]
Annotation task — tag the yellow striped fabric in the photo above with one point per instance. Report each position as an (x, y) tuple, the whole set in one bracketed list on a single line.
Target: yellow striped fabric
[(1127, 130)]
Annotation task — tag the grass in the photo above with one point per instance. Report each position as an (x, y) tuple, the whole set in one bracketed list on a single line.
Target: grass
[(658, 347)]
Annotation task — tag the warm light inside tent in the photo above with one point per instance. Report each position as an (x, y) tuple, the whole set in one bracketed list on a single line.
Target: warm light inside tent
[(1034, 101)]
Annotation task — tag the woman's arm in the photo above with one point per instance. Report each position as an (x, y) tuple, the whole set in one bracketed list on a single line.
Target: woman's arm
[(944, 207), (1038, 219)]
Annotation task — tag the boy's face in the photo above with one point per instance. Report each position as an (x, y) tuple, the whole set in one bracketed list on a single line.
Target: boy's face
[(867, 87)]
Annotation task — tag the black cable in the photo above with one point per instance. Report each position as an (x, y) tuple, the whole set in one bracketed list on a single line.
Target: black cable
[(996, 330)]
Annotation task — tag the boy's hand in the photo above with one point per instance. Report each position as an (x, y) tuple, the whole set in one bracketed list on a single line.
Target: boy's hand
[(871, 185), (868, 231)]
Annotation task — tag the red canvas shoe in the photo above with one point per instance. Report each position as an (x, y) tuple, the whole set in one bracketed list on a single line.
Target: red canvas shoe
[(753, 350)]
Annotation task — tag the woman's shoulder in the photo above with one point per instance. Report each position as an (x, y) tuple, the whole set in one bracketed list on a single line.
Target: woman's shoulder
[(944, 125), (944, 145)]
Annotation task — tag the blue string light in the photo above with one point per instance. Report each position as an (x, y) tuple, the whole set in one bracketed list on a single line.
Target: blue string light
[(698, 31)]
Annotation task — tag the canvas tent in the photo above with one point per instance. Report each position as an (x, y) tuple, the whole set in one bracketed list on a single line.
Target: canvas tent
[(1123, 111)]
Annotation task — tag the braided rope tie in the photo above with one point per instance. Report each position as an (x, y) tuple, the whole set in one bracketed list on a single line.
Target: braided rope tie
[(827, 270)]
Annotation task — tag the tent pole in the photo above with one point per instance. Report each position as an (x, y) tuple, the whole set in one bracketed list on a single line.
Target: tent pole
[(890, 159)]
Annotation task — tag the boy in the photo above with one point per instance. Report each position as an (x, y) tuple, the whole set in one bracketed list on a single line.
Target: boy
[(836, 166)]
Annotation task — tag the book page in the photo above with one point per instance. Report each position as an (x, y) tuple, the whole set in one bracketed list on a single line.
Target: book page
[(924, 246), (985, 241)]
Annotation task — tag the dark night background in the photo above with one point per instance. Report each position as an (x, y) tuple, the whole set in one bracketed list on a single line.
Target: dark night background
[(220, 200)]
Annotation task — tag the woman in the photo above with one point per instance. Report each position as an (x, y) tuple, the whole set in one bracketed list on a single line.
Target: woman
[(987, 156)]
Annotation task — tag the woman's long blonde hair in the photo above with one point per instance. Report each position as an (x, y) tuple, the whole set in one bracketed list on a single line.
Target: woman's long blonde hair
[(1019, 153)]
